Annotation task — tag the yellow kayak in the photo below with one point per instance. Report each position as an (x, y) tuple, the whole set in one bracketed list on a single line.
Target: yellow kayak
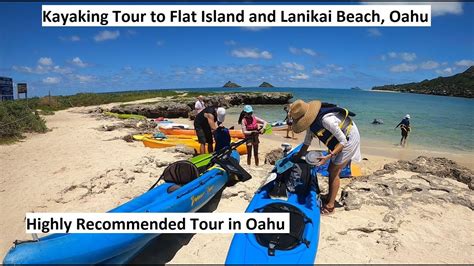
[(140, 137), (191, 143)]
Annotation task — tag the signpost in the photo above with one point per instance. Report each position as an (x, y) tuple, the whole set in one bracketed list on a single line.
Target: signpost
[(22, 88), (6, 89)]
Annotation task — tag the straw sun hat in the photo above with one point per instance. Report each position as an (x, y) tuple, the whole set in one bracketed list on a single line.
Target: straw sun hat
[(303, 114)]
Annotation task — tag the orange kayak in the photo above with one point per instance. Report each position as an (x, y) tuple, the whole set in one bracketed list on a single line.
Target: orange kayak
[(191, 143), (178, 131)]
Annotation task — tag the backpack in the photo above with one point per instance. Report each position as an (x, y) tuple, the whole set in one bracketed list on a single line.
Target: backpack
[(179, 173), (298, 179)]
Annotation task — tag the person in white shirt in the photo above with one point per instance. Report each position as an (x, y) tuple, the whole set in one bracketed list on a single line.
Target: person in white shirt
[(199, 105), (333, 127)]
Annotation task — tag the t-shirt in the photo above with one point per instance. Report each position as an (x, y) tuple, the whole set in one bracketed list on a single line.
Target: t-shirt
[(405, 122), (222, 137), (201, 121)]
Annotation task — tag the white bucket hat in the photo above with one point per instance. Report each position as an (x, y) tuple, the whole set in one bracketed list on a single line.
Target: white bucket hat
[(220, 114)]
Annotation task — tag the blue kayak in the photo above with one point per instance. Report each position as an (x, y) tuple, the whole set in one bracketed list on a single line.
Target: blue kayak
[(120, 248), (298, 247)]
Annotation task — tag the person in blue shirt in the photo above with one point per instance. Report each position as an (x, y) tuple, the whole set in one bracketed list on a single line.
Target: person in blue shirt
[(221, 134), (405, 127)]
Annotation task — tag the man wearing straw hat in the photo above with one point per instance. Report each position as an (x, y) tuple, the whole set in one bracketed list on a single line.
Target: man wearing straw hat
[(333, 126)]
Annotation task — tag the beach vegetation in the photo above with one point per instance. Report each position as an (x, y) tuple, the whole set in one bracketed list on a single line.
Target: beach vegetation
[(17, 118)]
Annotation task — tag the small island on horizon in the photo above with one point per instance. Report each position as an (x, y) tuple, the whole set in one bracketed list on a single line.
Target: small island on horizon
[(266, 85), (459, 85), (231, 84)]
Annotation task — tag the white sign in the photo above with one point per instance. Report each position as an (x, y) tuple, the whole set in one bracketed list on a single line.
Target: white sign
[(236, 15), (154, 223)]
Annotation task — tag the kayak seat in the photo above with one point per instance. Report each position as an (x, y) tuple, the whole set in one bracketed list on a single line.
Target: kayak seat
[(179, 173), (298, 221)]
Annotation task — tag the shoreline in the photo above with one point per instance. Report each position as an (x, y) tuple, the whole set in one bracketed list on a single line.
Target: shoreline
[(386, 91)]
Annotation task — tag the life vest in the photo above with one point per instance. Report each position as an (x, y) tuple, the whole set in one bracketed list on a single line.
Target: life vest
[(251, 123), (324, 135)]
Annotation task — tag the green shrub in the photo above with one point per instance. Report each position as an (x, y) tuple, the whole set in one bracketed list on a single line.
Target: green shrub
[(16, 118)]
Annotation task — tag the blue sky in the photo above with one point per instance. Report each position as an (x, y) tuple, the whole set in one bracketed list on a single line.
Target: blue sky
[(71, 60)]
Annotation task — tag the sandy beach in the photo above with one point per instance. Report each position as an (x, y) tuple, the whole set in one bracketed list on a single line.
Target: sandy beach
[(75, 167)]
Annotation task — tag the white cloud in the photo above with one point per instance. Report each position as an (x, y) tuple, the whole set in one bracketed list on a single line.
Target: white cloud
[(78, 62), (445, 8), (430, 64), (464, 63), (106, 35), (61, 70), (51, 80), (72, 38), (199, 71), (131, 32), (335, 67), (437, 8), (255, 28), (84, 78), (294, 50), (307, 51), (300, 76), (293, 65), (374, 32), (45, 61), (405, 56), (318, 72), (251, 53), (383, 57), (24, 69), (230, 42), (404, 67), (445, 72), (148, 71)]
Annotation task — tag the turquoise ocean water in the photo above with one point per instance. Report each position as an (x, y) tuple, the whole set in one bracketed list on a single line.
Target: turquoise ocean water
[(438, 122)]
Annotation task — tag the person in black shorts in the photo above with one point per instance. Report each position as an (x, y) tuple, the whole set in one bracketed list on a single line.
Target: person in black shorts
[(204, 124), (405, 127), (289, 123)]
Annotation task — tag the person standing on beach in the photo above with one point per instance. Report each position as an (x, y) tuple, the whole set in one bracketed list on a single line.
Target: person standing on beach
[(199, 105), (334, 127), (289, 123), (252, 126), (222, 134), (205, 124), (405, 127)]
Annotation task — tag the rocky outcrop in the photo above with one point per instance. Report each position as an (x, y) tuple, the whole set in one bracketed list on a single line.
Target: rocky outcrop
[(400, 191), (266, 85), (433, 165), (402, 184), (183, 106), (230, 84), (460, 85), (155, 110)]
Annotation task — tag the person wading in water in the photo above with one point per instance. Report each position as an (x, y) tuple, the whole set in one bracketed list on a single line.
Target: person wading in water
[(405, 127)]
